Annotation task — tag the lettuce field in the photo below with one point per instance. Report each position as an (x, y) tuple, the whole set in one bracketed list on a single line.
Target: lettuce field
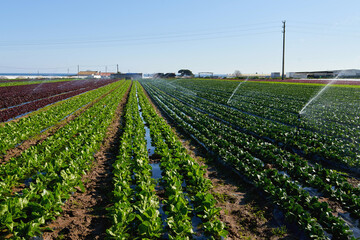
[(164, 159)]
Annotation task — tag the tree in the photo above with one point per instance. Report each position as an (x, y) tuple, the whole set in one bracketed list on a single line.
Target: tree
[(185, 73), (237, 74), (158, 75), (169, 75)]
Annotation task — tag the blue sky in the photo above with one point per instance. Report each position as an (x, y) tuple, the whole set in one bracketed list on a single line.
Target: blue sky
[(167, 35)]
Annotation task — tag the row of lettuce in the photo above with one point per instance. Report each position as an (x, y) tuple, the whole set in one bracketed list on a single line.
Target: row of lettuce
[(13, 133), (16, 101), (277, 100), (328, 129), (35, 185), (137, 211), (288, 179)]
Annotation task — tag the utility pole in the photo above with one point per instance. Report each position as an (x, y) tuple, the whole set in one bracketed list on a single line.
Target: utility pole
[(117, 68), (283, 56), (78, 69)]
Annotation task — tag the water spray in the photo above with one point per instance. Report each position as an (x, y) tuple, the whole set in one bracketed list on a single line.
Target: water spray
[(187, 91), (319, 93), (228, 101)]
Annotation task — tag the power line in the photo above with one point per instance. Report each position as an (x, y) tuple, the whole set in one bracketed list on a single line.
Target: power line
[(161, 35), (158, 41), (141, 38), (324, 33)]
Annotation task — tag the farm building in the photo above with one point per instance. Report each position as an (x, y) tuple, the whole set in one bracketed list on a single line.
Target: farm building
[(106, 75), (275, 74), (87, 74), (348, 73)]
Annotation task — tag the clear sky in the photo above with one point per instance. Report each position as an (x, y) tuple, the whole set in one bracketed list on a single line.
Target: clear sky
[(150, 36)]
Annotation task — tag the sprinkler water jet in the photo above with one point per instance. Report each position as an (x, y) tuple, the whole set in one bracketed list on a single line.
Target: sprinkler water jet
[(319, 93), (228, 101)]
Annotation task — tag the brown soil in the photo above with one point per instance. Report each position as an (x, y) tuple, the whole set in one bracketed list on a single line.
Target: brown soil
[(246, 214), (84, 215), (335, 206), (38, 139), (354, 182)]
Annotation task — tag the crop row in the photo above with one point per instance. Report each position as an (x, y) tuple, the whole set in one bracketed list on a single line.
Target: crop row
[(324, 180), (15, 132), (196, 185), (132, 179), (52, 95), (45, 175), (15, 95), (282, 97), (18, 82), (334, 113), (263, 106), (310, 143), (288, 193), (135, 210)]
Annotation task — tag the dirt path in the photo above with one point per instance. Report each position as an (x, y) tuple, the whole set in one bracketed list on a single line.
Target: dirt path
[(84, 215), (246, 214)]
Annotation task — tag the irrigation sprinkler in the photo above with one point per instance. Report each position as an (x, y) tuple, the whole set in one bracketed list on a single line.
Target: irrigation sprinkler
[(299, 116)]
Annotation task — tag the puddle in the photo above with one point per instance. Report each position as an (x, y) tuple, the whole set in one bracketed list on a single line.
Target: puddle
[(352, 223), (19, 144), (156, 171), (156, 174), (313, 192), (149, 147), (183, 184), (46, 128), (283, 173), (261, 162), (162, 213), (197, 224), (30, 179)]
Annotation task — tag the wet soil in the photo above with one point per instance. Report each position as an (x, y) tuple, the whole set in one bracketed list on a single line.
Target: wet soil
[(85, 215)]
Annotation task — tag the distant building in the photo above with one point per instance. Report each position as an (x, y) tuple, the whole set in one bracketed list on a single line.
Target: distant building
[(348, 73), (105, 75), (87, 74), (275, 75), (127, 76)]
